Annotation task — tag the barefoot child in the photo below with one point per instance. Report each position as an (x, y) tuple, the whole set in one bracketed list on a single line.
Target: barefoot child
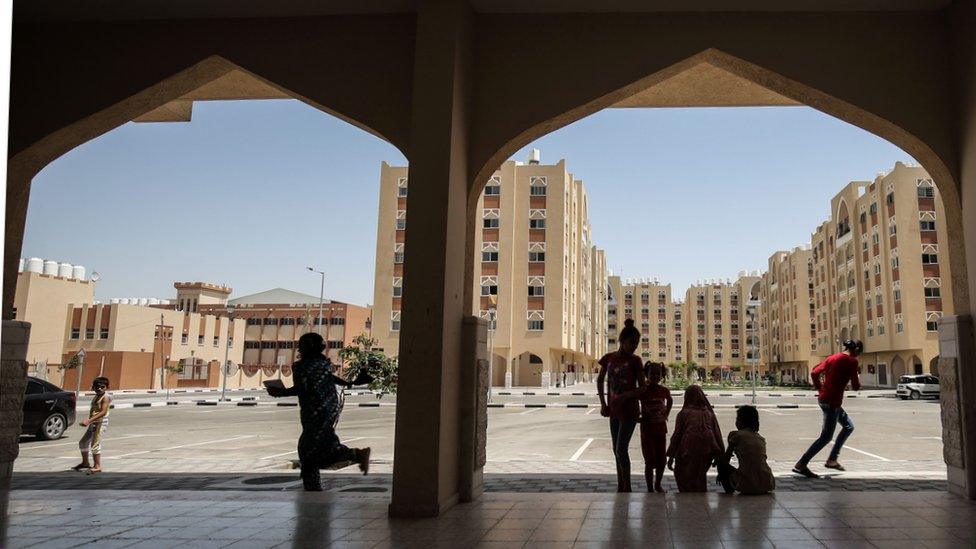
[(95, 425), (753, 476), (696, 442), (622, 372), (656, 402)]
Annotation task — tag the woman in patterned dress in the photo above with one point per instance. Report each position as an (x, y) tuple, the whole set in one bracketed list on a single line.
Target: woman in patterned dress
[(318, 397)]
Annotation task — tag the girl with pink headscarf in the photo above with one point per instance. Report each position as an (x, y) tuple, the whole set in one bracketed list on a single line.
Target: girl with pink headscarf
[(696, 442)]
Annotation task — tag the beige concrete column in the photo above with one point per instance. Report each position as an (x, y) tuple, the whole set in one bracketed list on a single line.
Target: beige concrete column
[(13, 379), (425, 470), (958, 395)]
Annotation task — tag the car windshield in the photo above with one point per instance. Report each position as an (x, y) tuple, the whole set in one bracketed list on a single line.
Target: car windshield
[(910, 379)]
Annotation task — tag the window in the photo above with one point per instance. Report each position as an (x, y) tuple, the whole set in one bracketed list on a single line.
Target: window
[(75, 333), (890, 198), (493, 190), (897, 293), (892, 230), (398, 254), (103, 334), (395, 321), (402, 187), (537, 223), (863, 217), (926, 191), (933, 292), (899, 327), (489, 285), (200, 340), (932, 325), (877, 268), (537, 291), (216, 342), (398, 291), (930, 259), (874, 208), (894, 262), (881, 330), (537, 257), (186, 338), (271, 321), (401, 220), (926, 225), (89, 333), (537, 325), (251, 321), (537, 190), (490, 223), (874, 238)]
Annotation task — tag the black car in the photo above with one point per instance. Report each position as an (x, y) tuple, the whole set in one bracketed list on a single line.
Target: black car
[(48, 410)]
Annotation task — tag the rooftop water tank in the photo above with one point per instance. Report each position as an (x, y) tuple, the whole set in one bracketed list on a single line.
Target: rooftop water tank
[(65, 270), (142, 301), (535, 156), (164, 302), (124, 301), (78, 272), (50, 267), (153, 301), (114, 301), (20, 266), (35, 265)]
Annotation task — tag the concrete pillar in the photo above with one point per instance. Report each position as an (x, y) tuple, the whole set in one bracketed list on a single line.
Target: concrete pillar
[(508, 368), (13, 380), (425, 471), (18, 194), (473, 409), (958, 396)]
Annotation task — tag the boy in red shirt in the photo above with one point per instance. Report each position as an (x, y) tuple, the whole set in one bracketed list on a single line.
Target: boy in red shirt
[(655, 403), (837, 371)]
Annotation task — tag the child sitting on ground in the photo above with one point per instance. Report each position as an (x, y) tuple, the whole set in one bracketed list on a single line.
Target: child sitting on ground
[(655, 403), (696, 442), (753, 476)]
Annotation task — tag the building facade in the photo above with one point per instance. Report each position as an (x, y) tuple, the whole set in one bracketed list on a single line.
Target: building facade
[(538, 282), (658, 317), (788, 331), (879, 275), (151, 347), (45, 291), (721, 324)]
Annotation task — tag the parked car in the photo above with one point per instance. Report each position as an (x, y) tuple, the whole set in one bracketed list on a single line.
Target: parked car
[(48, 410), (914, 387)]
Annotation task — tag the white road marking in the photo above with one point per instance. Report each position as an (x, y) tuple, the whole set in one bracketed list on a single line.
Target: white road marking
[(928, 438), (581, 449), (529, 411), (846, 447), (774, 412), (279, 455), (34, 447), (239, 437), (590, 411)]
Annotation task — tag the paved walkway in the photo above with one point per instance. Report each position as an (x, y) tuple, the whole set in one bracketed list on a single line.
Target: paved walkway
[(241, 519)]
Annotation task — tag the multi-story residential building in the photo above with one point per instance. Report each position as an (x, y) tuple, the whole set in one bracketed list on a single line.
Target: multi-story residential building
[(718, 324), (787, 319), (658, 317), (878, 275), (537, 281), (45, 290), (140, 347), (276, 318)]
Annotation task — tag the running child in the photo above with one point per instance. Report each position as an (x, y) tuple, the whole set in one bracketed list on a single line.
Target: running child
[(95, 426), (656, 403), (753, 476)]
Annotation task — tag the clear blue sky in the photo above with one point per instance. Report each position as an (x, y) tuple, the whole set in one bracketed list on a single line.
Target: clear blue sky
[(249, 193)]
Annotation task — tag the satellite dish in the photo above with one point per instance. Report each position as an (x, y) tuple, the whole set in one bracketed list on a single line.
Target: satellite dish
[(230, 368)]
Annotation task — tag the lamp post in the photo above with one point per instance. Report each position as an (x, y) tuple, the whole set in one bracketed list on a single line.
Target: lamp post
[(492, 314), (225, 369), (321, 296), (752, 349)]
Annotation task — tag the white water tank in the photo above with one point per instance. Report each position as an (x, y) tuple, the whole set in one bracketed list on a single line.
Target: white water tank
[(35, 265), (142, 301), (20, 266), (50, 267), (65, 270), (164, 302), (535, 156), (113, 301), (124, 301), (153, 301), (78, 272)]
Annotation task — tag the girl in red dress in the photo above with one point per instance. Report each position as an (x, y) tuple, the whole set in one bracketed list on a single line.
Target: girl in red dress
[(622, 372)]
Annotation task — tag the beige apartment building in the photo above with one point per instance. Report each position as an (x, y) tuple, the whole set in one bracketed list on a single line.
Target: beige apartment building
[(878, 274), (788, 332), (541, 281), (276, 318), (658, 317), (45, 290), (139, 347), (722, 324)]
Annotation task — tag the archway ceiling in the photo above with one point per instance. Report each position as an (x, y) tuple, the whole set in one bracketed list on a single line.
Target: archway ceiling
[(122, 10), (706, 85), (235, 85)]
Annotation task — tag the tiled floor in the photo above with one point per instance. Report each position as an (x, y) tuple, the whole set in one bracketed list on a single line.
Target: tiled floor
[(187, 519)]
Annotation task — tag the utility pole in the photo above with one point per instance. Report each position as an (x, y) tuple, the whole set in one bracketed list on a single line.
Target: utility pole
[(225, 368), (162, 365), (321, 298)]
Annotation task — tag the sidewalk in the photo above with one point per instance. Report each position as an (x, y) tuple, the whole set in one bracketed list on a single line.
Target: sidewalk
[(294, 519)]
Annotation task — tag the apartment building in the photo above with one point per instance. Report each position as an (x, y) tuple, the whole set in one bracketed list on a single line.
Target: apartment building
[(788, 331), (877, 273), (537, 277), (721, 319), (45, 290), (139, 347), (655, 313), (276, 318)]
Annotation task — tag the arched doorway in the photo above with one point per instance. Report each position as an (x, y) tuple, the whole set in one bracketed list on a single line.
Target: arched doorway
[(528, 370), (897, 369), (934, 366), (498, 370), (917, 367)]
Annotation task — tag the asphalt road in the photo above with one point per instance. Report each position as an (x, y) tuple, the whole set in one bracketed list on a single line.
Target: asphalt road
[(890, 436)]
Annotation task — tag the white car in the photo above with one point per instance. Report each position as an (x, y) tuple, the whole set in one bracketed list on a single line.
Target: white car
[(914, 387)]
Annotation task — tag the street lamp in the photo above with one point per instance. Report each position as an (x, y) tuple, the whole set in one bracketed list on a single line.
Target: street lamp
[(321, 296), (226, 366), (492, 313)]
